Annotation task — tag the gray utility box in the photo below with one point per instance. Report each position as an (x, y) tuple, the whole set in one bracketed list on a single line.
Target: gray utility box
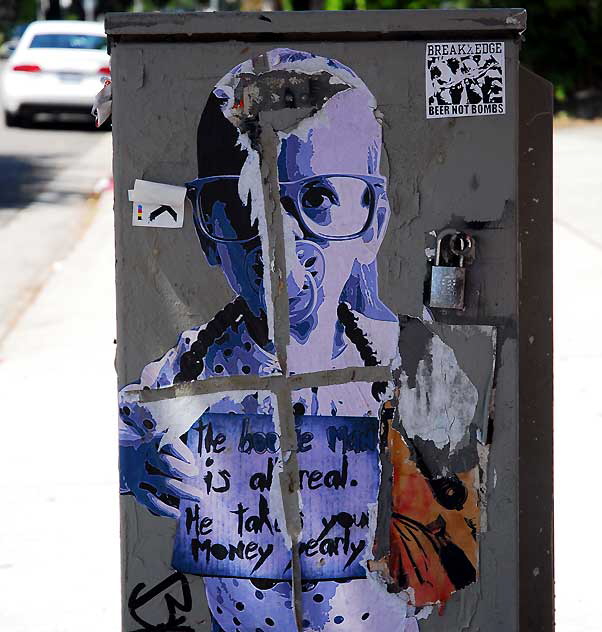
[(334, 307)]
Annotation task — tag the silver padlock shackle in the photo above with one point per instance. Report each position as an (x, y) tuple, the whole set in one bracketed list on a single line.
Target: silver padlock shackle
[(462, 252)]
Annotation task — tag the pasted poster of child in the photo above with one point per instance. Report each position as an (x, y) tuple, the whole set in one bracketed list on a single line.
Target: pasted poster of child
[(211, 461)]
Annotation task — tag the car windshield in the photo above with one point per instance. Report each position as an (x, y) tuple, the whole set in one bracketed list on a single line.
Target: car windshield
[(69, 40)]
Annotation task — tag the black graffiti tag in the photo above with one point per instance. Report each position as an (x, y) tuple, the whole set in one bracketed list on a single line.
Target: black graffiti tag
[(174, 623), (163, 209)]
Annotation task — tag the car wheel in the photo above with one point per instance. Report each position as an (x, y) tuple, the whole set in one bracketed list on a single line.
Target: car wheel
[(12, 119)]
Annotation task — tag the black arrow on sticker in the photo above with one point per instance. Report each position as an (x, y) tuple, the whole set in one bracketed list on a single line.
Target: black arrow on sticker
[(163, 209)]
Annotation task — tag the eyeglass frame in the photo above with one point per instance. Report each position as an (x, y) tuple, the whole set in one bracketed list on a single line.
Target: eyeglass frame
[(372, 181)]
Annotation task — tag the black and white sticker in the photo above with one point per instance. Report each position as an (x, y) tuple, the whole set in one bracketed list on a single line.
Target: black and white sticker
[(465, 79), (157, 205)]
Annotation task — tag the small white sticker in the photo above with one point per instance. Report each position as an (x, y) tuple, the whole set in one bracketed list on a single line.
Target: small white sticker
[(465, 79), (158, 205)]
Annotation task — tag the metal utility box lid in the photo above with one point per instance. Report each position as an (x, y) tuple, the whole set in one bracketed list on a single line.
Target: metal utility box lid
[(314, 25)]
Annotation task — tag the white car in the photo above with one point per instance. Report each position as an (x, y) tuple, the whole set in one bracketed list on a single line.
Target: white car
[(57, 67)]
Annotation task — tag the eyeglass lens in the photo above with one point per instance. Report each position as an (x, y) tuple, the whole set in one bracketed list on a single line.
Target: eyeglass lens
[(333, 206), (224, 214), (337, 206)]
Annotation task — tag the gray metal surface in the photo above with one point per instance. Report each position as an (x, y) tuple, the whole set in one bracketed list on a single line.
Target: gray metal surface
[(536, 493), (447, 172)]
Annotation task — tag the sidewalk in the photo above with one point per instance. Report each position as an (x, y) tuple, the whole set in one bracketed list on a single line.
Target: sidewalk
[(577, 362), (59, 533)]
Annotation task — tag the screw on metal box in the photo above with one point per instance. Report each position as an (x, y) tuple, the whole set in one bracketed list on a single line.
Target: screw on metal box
[(455, 249)]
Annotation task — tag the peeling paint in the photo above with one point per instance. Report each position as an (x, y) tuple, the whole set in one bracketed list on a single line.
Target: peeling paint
[(427, 411)]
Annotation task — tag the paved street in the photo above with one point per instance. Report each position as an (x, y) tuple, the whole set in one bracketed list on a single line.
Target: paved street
[(58, 474), (48, 174), (31, 160)]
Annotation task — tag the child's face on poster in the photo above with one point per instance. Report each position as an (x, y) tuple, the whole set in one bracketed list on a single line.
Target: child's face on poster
[(334, 205)]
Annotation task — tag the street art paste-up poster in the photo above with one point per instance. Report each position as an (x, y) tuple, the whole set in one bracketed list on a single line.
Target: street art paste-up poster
[(338, 481), (465, 79), (327, 471)]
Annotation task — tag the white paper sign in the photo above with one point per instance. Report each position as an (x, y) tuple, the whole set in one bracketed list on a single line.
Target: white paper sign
[(465, 79), (158, 205)]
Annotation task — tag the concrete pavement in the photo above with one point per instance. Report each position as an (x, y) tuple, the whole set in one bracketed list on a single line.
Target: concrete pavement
[(59, 545), (578, 357), (59, 533)]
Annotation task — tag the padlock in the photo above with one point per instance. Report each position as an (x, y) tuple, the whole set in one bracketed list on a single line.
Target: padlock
[(448, 281)]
